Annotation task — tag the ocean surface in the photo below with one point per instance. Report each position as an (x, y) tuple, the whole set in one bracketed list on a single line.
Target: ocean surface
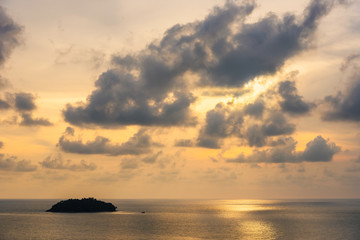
[(186, 219)]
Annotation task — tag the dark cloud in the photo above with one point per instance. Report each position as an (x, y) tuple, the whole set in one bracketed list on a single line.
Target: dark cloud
[(9, 35), (320, 150), (255, 109), (151, 88), (1, 144), (226, 121), (292, 103), (208, 142), (4, 105), (59, 163), (28, 120), (24, 102), (221, 122), (11, 163), (255, 136), (138, 144), (345, 106), (277, 125), (121, 99), (317, 150)]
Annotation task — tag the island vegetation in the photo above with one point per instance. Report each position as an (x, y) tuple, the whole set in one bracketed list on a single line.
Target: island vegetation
[(82, 205)]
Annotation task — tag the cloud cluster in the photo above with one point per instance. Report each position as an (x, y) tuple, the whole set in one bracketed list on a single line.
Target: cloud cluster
[(24, 104), (151, 87), (317, 150), (21, 102), (11, 163), (345, 105), (221, 122), (292, 103), (138, 144), (225, 121), (59, 163), (9, 35)]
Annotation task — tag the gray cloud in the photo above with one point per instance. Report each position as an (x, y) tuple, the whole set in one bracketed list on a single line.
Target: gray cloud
[(4, 105), (24, 101), (317, 150), (129, 164), (292, 103), (11, 163), (24, 104), (320, 150), (9, 35), (255, 109), (59, 163), (151, 158), (138, 144), (255, 136), (221, 122), (149, 87), (1, 144), (345, 106), (28, 120), (348, 61), (208, 142), (277, 125), (184, 143)]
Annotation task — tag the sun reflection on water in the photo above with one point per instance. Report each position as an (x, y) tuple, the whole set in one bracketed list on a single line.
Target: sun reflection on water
[(257, 230), (250, 226), (248, 205)]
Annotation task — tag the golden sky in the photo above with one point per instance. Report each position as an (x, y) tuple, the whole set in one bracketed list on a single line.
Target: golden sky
[(179, 99)]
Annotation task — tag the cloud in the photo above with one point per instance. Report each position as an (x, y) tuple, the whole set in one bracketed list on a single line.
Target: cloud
[(24, 104), (129, 164), (184, 143), (140, 143), (1, 144), (24, 101), (317, 150), (28, 120), (255, 136), (11, 163), (121, 99), (221, 122), (59, 163), (255, 109), (345, 106), (9, 35), (4, 105), (152, 158), (291, 102), (151, 87), (320, 150), (277, 125), (3, 83)]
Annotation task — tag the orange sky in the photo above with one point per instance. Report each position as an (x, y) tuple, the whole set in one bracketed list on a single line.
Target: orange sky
[(159, 99)]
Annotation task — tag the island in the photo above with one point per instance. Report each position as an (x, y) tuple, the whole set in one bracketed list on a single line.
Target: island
[(83, 205)]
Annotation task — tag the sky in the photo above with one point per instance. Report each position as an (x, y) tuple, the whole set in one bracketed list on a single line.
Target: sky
[(180, 99)]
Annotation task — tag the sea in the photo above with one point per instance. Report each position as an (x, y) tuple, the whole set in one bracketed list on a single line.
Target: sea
[(185, 219)]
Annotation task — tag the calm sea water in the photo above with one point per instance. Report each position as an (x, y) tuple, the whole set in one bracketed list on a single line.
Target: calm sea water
[(185, 219)]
